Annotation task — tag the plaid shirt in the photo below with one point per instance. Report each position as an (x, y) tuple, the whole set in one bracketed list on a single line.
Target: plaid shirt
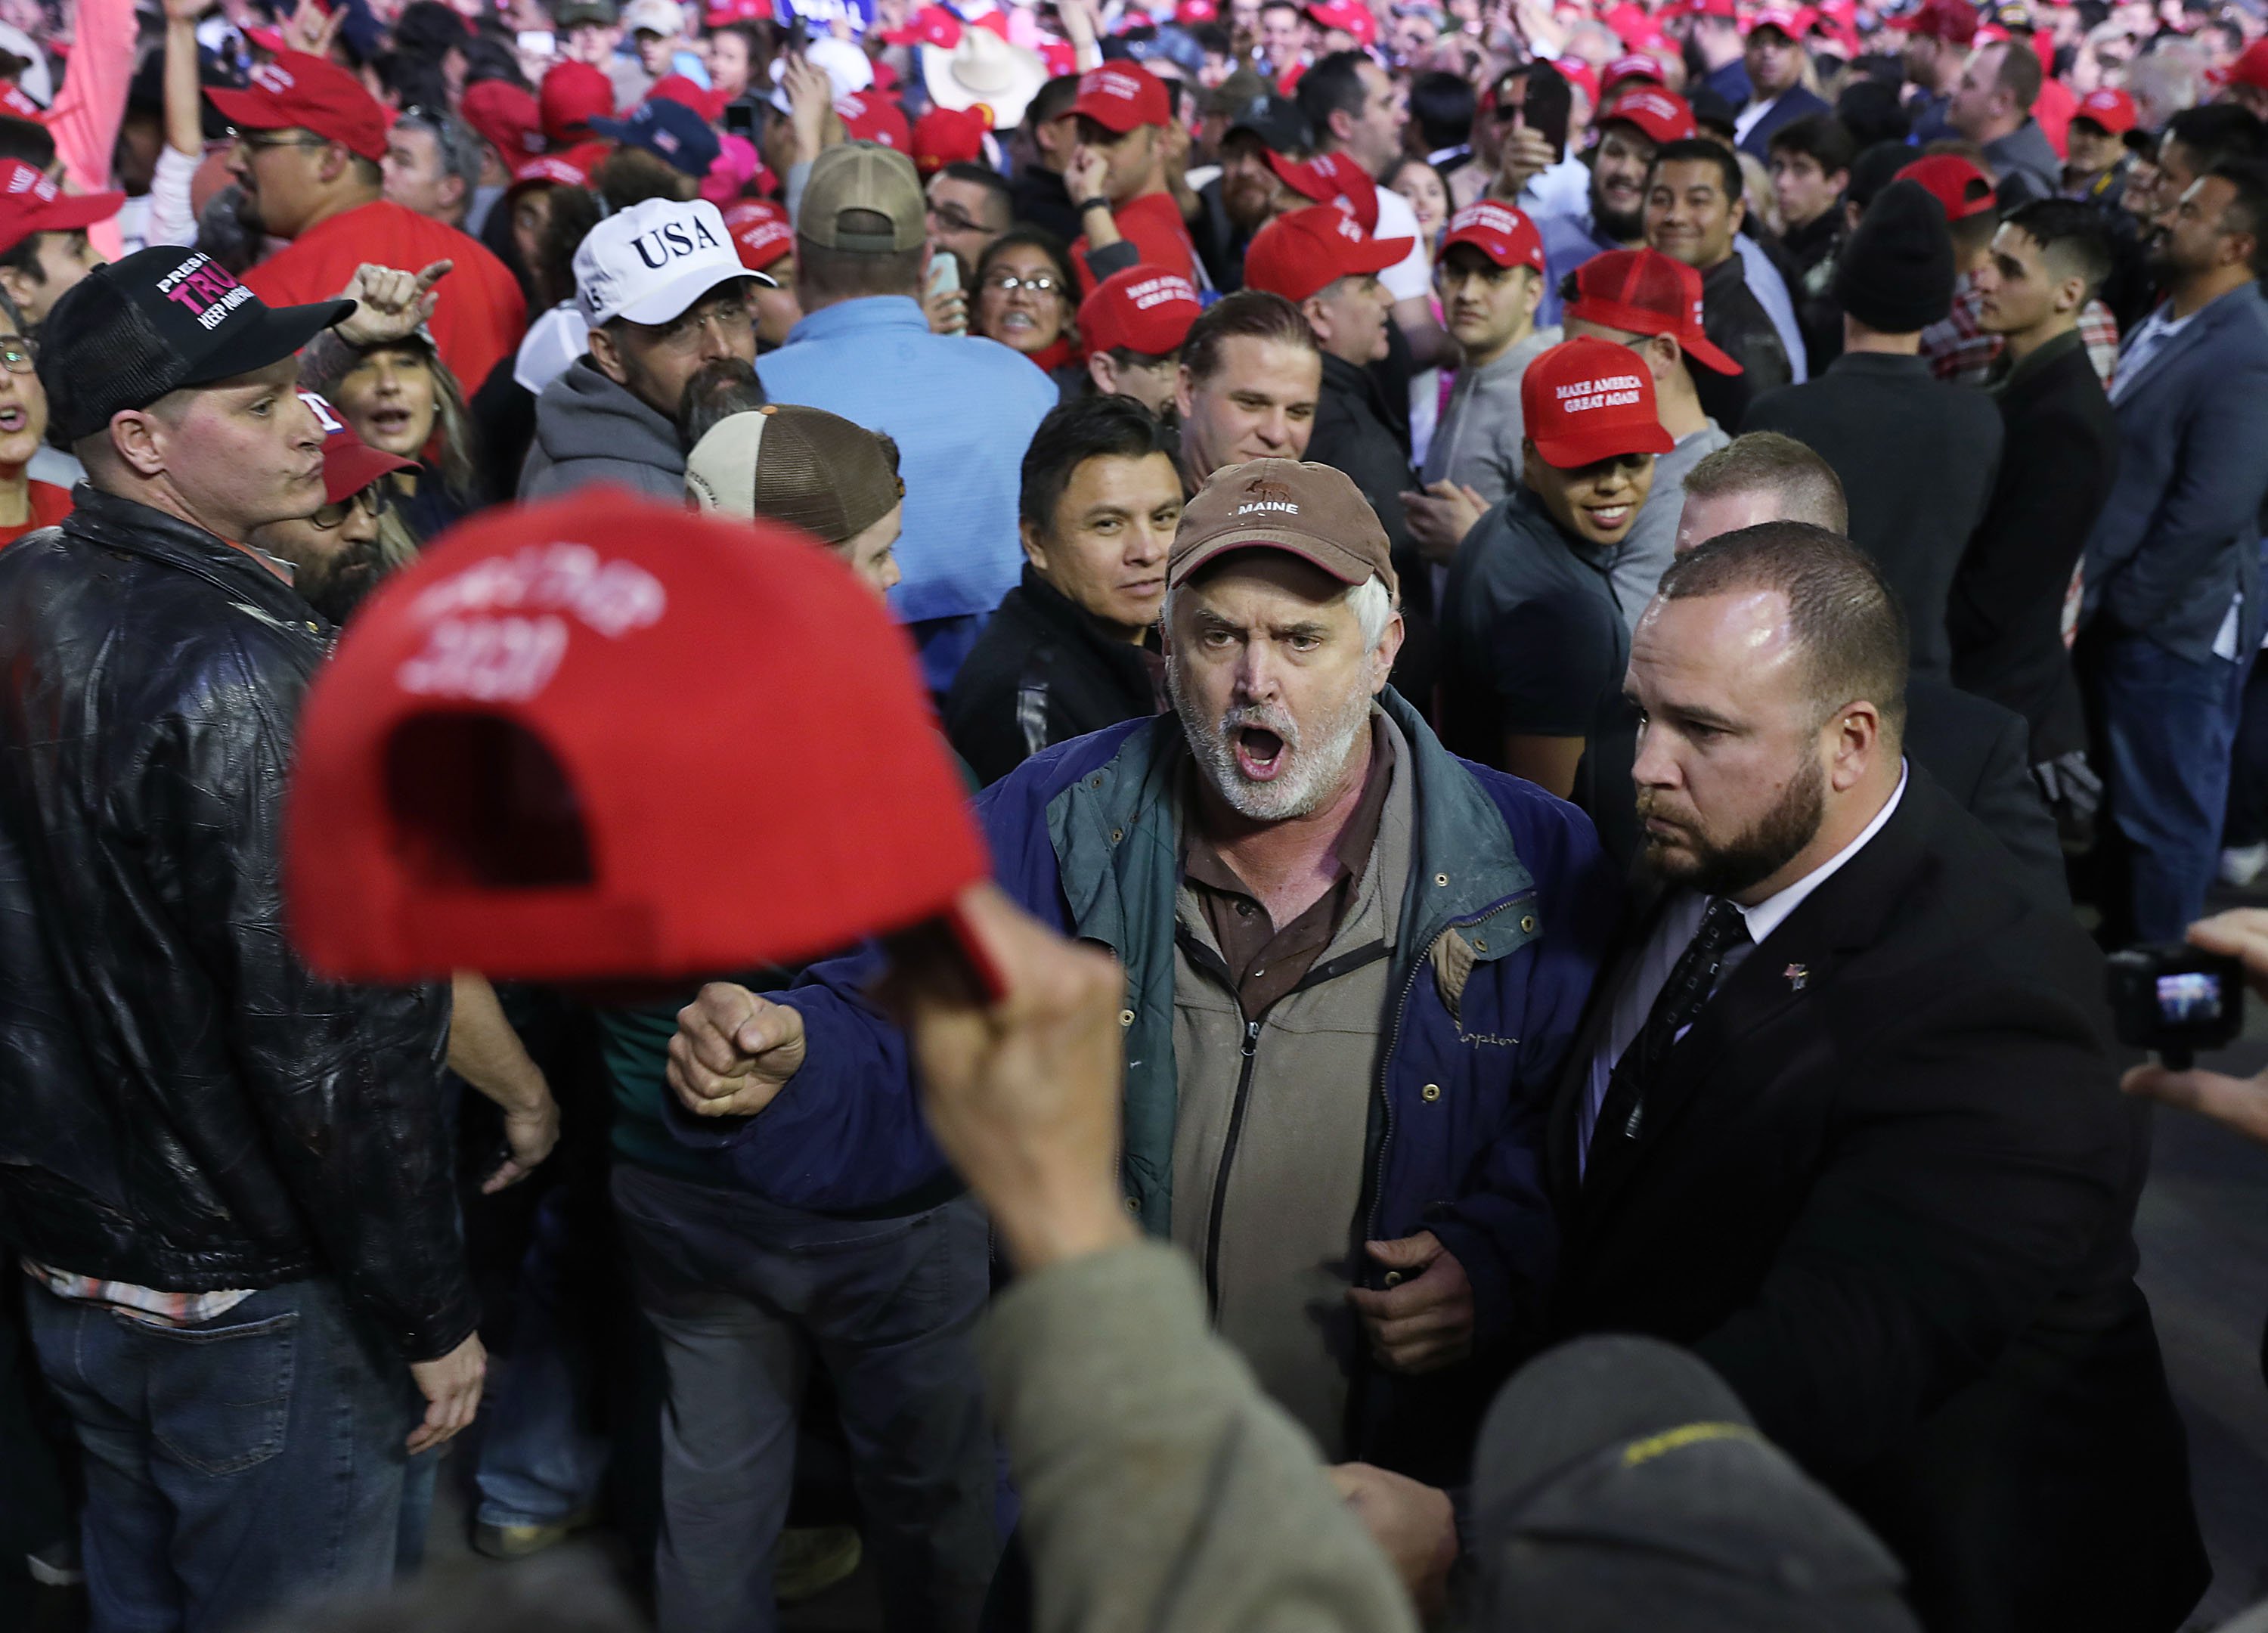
[(1958, 350), (146, 1305)]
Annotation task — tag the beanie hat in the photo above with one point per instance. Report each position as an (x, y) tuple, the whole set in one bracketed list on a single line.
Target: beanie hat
[(1896, 275)]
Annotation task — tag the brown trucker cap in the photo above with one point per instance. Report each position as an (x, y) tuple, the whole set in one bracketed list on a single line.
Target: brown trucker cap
[(804, 467), (863, 198), (1313, 512)]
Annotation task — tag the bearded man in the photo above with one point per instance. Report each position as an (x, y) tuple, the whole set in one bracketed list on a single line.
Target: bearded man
[(1844, 1117), (1353, 967)]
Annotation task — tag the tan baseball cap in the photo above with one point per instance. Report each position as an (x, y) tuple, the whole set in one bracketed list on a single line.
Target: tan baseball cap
[(863, 179), (1313, 512), (804, 467)]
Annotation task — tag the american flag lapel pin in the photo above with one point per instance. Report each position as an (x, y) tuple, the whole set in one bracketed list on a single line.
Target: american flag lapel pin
[(1798, 976)]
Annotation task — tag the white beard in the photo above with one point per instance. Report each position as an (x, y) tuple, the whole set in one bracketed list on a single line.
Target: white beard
[(1309, 776)]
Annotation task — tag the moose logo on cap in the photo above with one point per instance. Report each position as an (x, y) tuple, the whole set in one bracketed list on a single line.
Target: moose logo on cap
[(1267, 495)]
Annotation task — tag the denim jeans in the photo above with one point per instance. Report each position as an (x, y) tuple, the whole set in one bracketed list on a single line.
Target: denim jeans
[(2170, 727), (747, 1296), (235, 1466)]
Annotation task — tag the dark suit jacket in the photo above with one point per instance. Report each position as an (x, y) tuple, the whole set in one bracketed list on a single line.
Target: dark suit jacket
[(1354, 433), (2179, 535), (1980, 753), (1886, 1187), (2005, 618), (1917, 458), (1736, 321), (1793, 104)]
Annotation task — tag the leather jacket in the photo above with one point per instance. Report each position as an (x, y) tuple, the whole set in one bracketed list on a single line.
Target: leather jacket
[(183, 1103)]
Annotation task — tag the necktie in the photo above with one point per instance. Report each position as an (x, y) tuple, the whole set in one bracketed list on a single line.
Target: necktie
[(1675, 1006)]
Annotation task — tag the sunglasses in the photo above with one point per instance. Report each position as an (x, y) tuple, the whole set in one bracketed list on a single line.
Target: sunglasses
[(372, 500)]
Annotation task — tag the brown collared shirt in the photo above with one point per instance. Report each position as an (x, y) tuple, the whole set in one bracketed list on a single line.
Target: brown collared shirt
[(1264, 962)]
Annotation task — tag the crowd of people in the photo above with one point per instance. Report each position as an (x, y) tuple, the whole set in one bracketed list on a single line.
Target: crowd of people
[(1234, 814)]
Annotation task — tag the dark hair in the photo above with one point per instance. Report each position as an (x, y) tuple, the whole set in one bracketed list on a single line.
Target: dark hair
[(1027, 238), (1250, 313), (1871, 112), (574, 212), (1700, 150), (756, 35), (2217, 131), (488, 57), (28, 140), (630, 175), (1052, 100), (1441, 105), (2070, 234), (2247, 212), (1090, 428), (1840, 610), (850, 273), (1803, 486), (996, 186), (2020, 73), (719, 388), (1819, 137), (24, 256), (1334, 86)]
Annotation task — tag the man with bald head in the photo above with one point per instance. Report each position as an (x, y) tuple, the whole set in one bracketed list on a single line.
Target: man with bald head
[(1844, 1118)]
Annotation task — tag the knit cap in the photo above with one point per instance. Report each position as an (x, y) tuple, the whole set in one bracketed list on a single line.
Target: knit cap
[(1896, 275)]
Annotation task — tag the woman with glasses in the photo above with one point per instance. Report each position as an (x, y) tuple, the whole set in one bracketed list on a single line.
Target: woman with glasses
[(402, 400), (1024, 300), (24, 505)]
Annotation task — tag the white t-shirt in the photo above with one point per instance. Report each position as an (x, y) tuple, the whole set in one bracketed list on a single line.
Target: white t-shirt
[(1411, 278)]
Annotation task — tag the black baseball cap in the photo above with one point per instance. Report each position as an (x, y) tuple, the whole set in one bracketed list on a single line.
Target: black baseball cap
[(159, 320), (1276, 121), (1620, 1483)]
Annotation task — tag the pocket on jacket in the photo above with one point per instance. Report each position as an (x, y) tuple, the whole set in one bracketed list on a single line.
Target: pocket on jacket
[(220, 1394)]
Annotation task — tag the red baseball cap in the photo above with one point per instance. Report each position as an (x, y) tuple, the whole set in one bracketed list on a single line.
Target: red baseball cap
[(30, 203), (1120, 96), (298, 92), (1587, 399), (571, 96), (507, 118), (1189, 13), (2111, 110), (1636, 65), (1642, 292), (1960, 190), (1787, 19), (1295, 255), (350, 464), (1144, 309), (1628, 22), (930, 26), (515, 763), (945, 136), (737, 11), (870, 116), (2249, 69), (1330, 179), (1953, 21), (1726, 8), (1505, 235), (1576, 71), (1349, 17), (761, 232), (1662, 115), (681, 90), (559, 170)]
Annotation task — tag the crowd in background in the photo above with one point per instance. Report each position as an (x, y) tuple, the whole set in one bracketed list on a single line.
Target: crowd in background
[(1286, 435)]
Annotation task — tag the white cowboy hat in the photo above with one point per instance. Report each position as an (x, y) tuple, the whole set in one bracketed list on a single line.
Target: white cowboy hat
[(984, 68)]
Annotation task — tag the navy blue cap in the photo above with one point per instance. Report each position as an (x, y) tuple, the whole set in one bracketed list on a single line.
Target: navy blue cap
[(671, 131)]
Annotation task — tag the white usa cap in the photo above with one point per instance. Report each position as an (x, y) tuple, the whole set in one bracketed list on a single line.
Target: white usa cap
[(650, 263)]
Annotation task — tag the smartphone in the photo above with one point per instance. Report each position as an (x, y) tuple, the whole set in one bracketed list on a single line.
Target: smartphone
[(2173, 1000), (798, 36), (1549, 105), (741, 118), (943, 277), (538, 42)]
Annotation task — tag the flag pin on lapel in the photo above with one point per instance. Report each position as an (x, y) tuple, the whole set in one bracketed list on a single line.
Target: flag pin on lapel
[(1798, 976)]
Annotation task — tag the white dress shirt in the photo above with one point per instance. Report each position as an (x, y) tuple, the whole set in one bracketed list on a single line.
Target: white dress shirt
[(1674, 930)]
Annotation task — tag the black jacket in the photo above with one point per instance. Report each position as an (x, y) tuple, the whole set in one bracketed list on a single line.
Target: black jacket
[(1354, 433), (186, 1106), (1042, 672), (1885, 1186), (1043, 200), (1917, 458), (2058, 457), (1736, 320)]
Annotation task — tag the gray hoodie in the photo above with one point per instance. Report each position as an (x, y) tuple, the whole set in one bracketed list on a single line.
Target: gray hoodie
[(589, 429)]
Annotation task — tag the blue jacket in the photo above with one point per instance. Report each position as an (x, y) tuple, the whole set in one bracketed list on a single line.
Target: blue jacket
[(1795, 103), (1510, 906), (2179, 536)]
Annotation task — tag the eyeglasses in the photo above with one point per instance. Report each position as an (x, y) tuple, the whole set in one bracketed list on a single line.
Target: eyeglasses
[(16, 355), (1009, 282), (373, 499), (259, 144), (955, 219), (732, 318)]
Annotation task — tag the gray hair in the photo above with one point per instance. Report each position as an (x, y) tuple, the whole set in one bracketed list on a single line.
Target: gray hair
[(458, 144), (1373, 604)]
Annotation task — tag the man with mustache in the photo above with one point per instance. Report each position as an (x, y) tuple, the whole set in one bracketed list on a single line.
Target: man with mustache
[(1352, 963), (1845, 1119)]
